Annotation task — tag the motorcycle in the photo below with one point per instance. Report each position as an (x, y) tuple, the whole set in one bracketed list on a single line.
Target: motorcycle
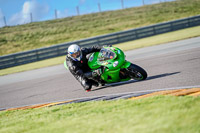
[(111, 61)]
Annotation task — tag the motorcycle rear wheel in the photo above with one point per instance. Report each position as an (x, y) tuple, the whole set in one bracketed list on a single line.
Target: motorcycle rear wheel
[(136, 72)]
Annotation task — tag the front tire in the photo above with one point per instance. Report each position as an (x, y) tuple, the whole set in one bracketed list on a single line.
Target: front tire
[(136, 72)]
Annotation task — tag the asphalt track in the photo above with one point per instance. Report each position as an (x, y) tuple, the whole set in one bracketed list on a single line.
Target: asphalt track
[(169, 65)]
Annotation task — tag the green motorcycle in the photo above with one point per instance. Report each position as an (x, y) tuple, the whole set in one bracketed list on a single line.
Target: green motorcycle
[(114, 67), (111, 60)]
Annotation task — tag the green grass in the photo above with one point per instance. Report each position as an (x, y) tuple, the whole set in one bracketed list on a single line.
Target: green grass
[(40, 34), (166, 114), (150, 41)]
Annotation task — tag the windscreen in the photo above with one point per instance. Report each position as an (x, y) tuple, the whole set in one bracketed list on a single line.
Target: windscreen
[(105, 54)]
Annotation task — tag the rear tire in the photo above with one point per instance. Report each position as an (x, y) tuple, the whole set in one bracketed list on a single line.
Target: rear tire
[(136, 72)]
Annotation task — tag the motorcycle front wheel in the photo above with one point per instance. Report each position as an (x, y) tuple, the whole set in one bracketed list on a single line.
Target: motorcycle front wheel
[(136, 72)]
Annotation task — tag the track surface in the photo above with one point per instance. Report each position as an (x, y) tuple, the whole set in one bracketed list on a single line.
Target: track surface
[(168, 65)]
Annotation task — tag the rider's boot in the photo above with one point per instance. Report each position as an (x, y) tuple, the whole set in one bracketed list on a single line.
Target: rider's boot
[(102, 84), (85, 83), (94, 83)]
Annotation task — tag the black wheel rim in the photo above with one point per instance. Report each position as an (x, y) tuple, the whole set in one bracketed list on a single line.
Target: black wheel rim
[(136, 75)]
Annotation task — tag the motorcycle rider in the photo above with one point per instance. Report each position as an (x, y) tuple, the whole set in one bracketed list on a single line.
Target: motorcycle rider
[(77, 63)]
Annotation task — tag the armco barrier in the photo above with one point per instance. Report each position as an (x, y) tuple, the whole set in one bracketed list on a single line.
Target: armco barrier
[(115, 38)]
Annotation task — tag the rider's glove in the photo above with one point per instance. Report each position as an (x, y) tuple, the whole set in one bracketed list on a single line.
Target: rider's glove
[(97, 72)]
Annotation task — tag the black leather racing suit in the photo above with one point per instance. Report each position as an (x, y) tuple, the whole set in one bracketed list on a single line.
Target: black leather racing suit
[(80, 69)]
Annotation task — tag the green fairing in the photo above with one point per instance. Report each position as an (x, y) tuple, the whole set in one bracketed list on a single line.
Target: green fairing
[(111, 73)]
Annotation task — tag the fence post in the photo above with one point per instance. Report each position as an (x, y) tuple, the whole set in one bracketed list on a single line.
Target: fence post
[(77, 9), (56, 14), (189, 23), (154, 30), (57, 50), (37, 55), (122, 2), (99, 6), (14, 58), (136, 34), (31, 17), (172, 28), (4, 18), (143, 2)]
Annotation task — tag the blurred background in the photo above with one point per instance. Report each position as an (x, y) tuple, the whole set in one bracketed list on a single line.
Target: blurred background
[(27, 25), (27, 11)]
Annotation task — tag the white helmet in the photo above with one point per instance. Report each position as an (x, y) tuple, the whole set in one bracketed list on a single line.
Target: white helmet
[(74, 52)]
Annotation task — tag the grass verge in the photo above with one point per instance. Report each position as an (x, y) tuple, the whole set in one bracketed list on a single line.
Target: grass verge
[(150, 41), (150, 115)]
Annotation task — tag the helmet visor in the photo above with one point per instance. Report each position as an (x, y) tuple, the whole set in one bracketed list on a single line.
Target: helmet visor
[(76, 55)]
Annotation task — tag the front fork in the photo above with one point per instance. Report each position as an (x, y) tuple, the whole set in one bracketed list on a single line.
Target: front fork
[(124, 70)]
